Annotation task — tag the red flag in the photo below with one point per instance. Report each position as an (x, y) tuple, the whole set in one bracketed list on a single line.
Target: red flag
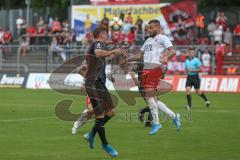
[(181, 20)]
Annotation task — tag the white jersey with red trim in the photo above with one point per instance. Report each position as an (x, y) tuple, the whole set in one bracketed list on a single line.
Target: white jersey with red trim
[(153, 49)]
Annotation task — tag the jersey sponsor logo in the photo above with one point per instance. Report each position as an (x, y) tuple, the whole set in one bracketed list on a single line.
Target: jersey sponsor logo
[(148, 47)]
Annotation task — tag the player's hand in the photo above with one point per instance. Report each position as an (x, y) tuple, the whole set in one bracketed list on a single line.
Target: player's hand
[(191, 70), (123, 52), (123, 61), (110, 77), (164, 60), (120, 51), (137, 82)]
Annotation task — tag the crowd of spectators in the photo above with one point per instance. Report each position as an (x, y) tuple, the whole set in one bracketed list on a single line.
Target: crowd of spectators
[(131, 31), (219, 33), (45, 32), (55, 33)]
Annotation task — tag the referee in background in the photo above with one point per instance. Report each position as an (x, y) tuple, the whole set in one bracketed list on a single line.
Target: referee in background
[(193, 67)]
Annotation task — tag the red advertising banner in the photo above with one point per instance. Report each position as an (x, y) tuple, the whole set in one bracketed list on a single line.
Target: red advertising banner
[(229, 84), (181, 20), (116, 2)]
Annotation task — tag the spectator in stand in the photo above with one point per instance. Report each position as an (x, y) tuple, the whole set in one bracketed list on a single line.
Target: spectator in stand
[(7, 37), (221, 19), (105, 22), (19, 23), (122, 16), (41, 30), (237, 35), (24, 46), (40, 23), (126, 28), (49, 23), (220, 51), (129, 18), (218, 34), (2, 42), (1, 33), (200, 23), (56, 26), (72, 37), (68, 38), (146, 33), (65, 25), (21, 26), (89, 38), (131, 36), (206, 60), (31, 33), (227, 39), (55, 46), (232, 70), (211, 27), (138, 24), (117, 37), (87, 24)]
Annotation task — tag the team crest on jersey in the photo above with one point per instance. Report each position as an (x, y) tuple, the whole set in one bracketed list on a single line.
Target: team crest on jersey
[(98, 45)]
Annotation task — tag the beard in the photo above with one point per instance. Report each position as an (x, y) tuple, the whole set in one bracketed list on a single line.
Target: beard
[(153, 34)]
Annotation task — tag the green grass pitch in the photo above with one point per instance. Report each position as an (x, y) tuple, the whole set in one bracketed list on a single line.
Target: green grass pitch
[(29, 130)]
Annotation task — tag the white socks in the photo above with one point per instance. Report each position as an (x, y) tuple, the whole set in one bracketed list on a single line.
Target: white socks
[(154, 109), (161, 106), (82, 120)]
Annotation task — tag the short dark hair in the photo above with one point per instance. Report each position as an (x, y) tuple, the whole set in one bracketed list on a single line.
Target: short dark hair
[(155, 21), (97, 31)]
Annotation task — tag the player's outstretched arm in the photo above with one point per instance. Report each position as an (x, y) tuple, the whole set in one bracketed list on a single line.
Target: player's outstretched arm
[(103, 53), (135, 57), (133, 76)]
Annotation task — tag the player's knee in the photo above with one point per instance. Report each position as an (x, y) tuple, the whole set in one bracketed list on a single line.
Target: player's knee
[(198, 92), (90, 112), (188, 91), (151, 103), (111, 113)]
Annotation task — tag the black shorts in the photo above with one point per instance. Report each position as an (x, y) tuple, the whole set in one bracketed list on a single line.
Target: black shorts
[(193, 80), (101, 99), (140, 88)]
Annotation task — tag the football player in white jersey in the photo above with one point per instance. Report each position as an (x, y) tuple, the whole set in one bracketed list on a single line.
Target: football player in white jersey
[(152, 54)]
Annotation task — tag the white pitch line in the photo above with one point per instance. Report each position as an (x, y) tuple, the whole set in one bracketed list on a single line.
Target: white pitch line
[(25, 119), (118, 115)]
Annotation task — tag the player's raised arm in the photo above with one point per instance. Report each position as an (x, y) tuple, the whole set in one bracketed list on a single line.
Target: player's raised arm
[(103, 53), (101, 39)]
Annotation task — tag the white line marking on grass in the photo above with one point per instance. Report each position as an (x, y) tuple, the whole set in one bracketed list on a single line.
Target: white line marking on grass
[(26, 119), (213, 111)]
